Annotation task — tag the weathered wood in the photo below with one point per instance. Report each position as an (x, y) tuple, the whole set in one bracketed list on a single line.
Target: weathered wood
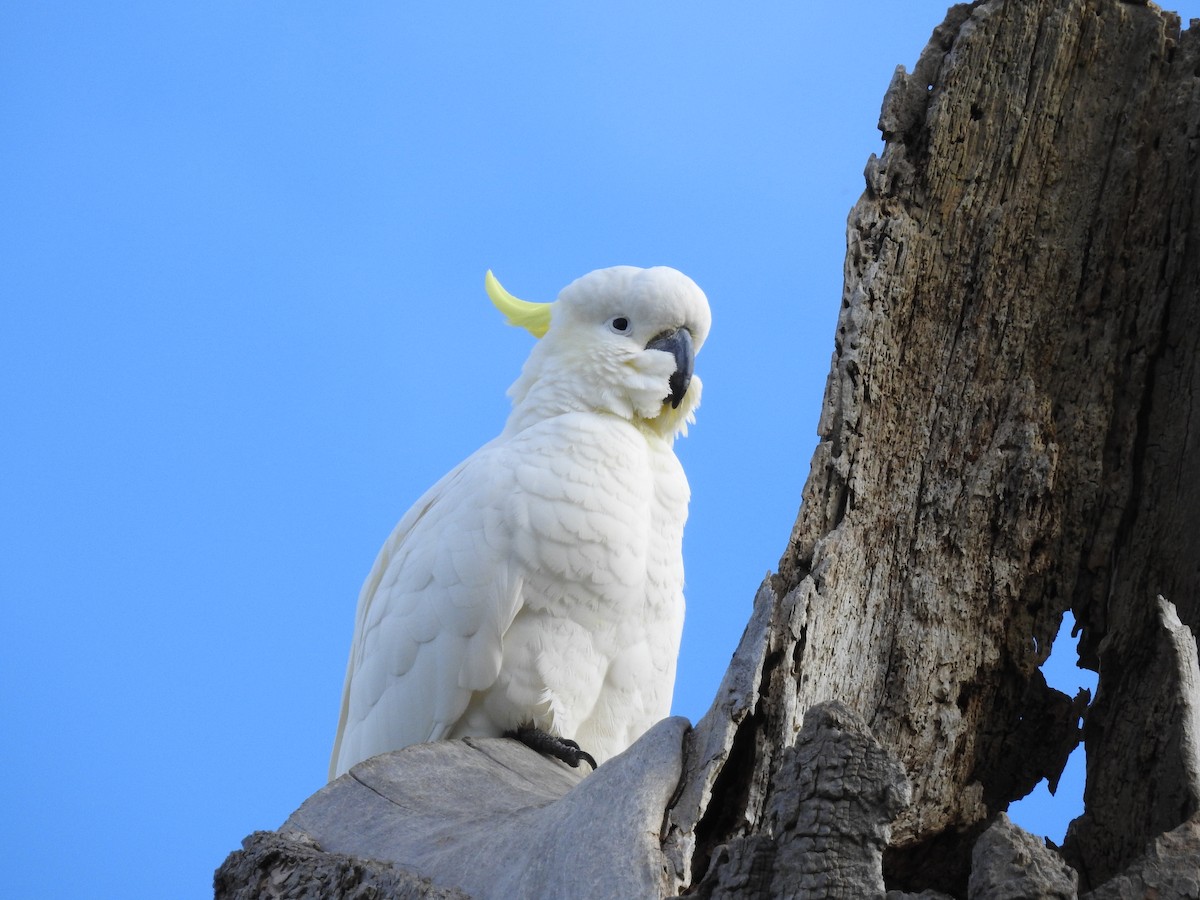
[(1008, 276), (985, 436), (727, 752), (491, 818), (1011, 864), (1170, 868), (832, 797), (1151, 779), (274, 866)]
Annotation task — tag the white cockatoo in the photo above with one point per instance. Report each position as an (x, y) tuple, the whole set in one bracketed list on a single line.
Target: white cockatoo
[(537, 589)]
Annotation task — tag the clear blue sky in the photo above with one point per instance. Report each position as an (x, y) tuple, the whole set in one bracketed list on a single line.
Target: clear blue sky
[(241, 257)]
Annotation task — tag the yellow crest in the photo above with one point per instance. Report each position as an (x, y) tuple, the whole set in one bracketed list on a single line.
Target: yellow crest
[(533, 317)]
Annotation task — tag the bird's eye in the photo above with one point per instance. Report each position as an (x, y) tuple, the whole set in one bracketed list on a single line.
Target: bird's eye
[(620, 325)]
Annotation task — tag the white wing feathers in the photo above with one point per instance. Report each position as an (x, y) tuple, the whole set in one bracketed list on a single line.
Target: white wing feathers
[(430, 616)]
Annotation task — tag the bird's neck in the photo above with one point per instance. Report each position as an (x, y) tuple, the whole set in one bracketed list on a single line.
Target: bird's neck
[(548, 400)]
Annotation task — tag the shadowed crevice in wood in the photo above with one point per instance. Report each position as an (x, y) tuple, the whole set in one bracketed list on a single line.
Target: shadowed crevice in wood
[(726, 812), (940, 862), (721, 786), (825, 822)]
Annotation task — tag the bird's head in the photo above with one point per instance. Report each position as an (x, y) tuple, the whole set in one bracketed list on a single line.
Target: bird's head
[(621, 340)]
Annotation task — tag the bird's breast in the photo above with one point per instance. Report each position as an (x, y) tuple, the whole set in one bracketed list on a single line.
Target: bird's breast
[(597, 522)]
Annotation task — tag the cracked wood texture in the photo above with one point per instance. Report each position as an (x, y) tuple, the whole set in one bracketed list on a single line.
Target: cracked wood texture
[(493, 819), (1006, 429), (1005, 436), (833, 795)]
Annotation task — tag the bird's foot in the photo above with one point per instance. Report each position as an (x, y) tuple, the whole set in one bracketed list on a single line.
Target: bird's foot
[(551, 745)]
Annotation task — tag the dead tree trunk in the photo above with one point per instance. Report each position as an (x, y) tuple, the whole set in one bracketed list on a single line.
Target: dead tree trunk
[(1007, 434), (1006, 427)]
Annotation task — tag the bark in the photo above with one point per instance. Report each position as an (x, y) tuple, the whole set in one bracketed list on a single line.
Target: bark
[(1005, 436), (1010, 864), (833, 796), (1158, 737), (1021, 285), (493, 819), (1170, 868), (275, 866)]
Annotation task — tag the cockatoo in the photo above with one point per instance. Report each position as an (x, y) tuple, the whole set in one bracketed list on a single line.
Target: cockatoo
[(537, 589)]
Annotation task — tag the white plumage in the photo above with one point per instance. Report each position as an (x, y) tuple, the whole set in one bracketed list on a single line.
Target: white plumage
[(540, 582)]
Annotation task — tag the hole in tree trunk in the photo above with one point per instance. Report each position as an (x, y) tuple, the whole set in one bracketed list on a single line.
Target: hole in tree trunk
[(1042, 813)]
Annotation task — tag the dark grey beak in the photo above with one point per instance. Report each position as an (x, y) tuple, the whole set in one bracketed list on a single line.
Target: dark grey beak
[(679, 344)]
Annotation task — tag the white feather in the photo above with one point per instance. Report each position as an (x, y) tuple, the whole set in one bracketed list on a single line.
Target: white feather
[(541, 580)]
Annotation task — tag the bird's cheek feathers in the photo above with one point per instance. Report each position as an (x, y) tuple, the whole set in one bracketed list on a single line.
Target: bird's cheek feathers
[(650, 381)]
